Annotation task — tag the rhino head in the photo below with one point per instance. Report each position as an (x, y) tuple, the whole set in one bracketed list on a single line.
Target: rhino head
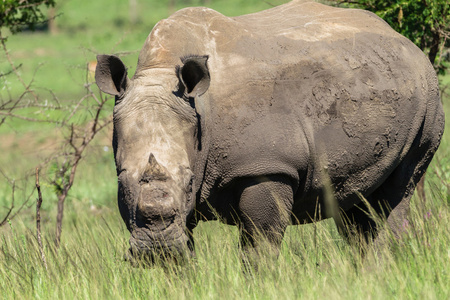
[(155, 140)]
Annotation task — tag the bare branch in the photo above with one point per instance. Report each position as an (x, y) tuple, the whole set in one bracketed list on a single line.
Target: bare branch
[(11, 63), (38, 219), (9, 215), (5, 219), (9, 114), (78, 140), (75, 109), (23, 205), (10, 72)]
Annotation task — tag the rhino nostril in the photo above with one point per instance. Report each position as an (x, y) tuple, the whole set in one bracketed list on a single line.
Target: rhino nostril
[(157, 194), (155, 199), (151, 212)]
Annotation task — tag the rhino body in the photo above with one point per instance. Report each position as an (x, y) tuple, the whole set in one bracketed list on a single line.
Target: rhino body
[(248, 118)]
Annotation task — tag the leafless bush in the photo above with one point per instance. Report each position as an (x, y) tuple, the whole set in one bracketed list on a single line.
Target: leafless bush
[(77, 135), (77, 142)]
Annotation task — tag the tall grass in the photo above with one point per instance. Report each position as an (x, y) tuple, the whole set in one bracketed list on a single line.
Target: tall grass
[(314, 263)]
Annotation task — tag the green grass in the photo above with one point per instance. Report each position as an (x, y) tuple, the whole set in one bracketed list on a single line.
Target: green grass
[(87, 28), (314, 263)]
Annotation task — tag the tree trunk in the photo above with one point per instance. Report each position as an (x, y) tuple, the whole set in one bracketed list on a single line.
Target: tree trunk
[(133, 11), (172, 6), (59, 218), (434, 47), (51, 21)]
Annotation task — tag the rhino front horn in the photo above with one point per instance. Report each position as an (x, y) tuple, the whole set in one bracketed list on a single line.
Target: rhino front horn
[(154, 171)]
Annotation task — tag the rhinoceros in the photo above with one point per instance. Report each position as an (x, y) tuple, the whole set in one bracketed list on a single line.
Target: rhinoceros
[(251, 119)]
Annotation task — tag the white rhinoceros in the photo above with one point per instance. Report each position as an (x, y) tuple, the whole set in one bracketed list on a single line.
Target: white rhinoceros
[(247, 118)]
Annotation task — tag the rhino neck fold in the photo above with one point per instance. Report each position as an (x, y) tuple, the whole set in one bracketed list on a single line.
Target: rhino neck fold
[(203, 110)]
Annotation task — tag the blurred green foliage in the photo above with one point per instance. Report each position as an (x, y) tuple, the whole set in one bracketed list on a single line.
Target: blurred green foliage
[(60, 175), (17, 15)]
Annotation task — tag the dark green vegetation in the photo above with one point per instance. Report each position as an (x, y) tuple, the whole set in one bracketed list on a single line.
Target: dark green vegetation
[(426, 23), (315, 262), (17, 15)]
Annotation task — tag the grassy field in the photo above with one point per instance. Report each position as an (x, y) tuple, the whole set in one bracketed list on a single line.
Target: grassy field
[(315, 262), (88, 28)]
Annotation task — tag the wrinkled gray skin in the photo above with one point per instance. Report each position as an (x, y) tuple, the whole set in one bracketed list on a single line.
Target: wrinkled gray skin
[(245, 118)]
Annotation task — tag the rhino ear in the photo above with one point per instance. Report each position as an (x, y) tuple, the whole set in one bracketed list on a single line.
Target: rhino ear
[(111, 75), (194, 75)]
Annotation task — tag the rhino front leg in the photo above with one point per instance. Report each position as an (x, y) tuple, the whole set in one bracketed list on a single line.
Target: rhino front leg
[(265, 205)]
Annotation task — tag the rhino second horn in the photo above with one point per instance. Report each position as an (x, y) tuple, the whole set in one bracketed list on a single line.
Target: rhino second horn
[(154, 171)]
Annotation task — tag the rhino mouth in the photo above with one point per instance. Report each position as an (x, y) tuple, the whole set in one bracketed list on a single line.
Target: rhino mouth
[(150, 246)]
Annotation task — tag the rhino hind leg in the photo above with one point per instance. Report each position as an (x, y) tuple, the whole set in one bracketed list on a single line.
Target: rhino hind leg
[(265, 204), (391, 200)]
